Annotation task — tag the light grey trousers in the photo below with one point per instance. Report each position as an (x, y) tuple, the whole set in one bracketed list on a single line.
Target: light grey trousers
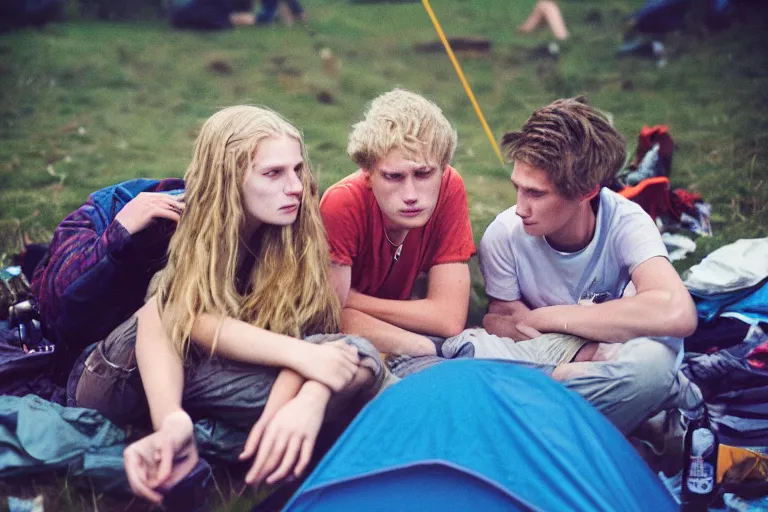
[(638, 380)]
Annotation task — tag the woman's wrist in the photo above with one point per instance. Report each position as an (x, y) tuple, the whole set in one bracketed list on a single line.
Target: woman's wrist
[(292, 355), (179, 429), (175, 418), (316, 392)]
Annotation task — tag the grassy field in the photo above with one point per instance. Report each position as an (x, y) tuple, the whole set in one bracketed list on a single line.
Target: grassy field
[(87, 103)]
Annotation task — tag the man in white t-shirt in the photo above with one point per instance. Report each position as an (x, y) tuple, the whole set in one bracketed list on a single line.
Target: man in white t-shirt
[(575, 258)]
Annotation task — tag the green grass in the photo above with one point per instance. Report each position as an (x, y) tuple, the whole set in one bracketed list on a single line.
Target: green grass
[(84, 104), (102, 102)]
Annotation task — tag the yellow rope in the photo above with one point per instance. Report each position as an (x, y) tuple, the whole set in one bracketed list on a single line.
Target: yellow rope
[(464, 82)]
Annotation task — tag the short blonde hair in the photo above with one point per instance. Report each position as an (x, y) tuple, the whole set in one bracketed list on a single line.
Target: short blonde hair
[(402, 120)]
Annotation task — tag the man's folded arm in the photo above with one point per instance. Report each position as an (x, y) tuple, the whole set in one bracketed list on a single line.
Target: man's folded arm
[(442, 313)]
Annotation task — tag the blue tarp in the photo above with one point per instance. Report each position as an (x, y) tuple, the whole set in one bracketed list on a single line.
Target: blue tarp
[(748, 303), (481, 435), (37, 436)]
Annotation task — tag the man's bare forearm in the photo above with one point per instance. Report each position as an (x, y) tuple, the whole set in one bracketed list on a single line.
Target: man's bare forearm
[(427, 316), (653, 313), (387, 338)]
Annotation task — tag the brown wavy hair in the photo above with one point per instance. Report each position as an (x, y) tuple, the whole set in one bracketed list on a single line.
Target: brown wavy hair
[(289, 291), (573, 142)]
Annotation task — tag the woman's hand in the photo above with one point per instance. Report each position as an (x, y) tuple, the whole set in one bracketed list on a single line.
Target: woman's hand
[(140, 211), (333, 364), (160, 460), (285, 442)]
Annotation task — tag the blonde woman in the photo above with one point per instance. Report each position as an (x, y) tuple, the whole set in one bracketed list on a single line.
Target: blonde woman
[(220, 335)]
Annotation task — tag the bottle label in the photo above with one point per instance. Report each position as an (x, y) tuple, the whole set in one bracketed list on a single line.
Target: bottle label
[(701, 476)]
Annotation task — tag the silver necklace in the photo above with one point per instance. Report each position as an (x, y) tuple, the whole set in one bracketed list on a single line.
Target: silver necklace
[(399, 249)]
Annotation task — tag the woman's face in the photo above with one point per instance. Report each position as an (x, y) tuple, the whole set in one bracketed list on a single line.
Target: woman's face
[(272, 187)]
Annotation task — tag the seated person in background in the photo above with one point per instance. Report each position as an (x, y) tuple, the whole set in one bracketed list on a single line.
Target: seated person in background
[(211, 14), (290, 11), (402, 214), (561, 260), (224, 14), (220, 336), (98, 266)]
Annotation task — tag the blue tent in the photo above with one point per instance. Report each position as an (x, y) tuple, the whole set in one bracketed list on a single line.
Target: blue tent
[(481, 435)]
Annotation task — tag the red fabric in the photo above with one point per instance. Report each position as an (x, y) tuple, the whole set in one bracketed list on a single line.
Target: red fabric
[(687, 198), (355, 229), (652, 194), (653, 135), (758, 357), (684, 201)]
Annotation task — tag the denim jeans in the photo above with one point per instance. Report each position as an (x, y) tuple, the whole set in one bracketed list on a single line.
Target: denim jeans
[(269, 10)]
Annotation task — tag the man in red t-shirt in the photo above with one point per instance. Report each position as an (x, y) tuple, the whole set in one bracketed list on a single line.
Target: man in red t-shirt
[(402, 215)]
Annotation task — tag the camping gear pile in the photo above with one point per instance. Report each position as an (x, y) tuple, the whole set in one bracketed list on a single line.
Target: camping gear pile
[(646, 182), (728, 353), (727, 358), (678, 212)]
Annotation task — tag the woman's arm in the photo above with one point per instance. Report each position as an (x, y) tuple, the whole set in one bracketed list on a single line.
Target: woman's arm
[(285, 442), (165, 457), (332, 365), (286, 386), (160, 366)]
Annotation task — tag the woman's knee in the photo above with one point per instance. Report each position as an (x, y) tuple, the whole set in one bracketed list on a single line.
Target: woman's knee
[(109, 381)]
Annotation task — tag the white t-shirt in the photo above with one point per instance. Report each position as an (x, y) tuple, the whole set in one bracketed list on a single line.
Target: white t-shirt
[(518, 266)]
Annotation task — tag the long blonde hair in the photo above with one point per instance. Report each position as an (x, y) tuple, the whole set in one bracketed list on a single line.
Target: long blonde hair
[(289, 290)]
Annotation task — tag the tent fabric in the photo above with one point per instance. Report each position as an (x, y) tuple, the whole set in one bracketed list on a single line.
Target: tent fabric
[(481, 435), (733, 267)]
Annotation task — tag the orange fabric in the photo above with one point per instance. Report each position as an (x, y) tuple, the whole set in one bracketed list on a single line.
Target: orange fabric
[(652, 194), (732, 457), (355, 229)]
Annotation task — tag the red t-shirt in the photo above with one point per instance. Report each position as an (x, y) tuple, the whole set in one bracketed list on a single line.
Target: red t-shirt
[(355, 227)]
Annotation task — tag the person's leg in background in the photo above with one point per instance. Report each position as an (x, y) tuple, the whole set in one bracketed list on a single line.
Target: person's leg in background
[(109, 381), (548, 11), (296, 9), (267, 13)]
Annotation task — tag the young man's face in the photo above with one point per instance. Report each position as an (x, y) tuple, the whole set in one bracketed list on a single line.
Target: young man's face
[(541, 207), (406, 190)]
